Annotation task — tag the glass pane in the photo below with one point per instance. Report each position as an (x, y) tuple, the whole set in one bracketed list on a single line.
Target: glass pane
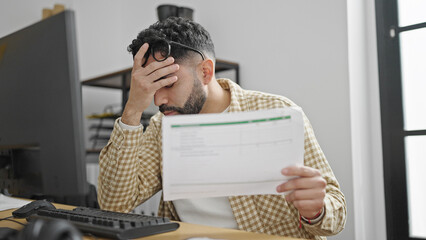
[(411, 12), (413, 67), (415, 147)]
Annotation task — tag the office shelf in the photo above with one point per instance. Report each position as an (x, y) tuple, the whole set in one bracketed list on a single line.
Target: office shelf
[(102, 129)]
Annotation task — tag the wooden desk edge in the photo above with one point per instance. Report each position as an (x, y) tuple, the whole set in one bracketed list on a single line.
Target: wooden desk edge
[(185, 231)]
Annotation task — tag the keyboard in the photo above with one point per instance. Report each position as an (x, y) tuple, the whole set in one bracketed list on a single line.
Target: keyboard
[(109, 224)]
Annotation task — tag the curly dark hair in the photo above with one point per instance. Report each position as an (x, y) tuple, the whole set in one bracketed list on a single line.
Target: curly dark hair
[(181, 30)]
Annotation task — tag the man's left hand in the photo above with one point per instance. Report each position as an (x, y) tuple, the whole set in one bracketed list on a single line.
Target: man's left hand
[(308, 190)]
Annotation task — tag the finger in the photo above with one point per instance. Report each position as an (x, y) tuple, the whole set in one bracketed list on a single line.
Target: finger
[(305, 194), (163, 72), (301, 171), (154, 66), (302, 183), (139, 57), (309, 205), (164, 82)]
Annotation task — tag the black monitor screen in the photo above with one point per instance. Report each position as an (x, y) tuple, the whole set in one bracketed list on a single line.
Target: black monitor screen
[(41, 132)]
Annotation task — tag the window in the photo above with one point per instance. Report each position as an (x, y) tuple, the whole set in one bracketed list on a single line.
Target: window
[(401, 39)]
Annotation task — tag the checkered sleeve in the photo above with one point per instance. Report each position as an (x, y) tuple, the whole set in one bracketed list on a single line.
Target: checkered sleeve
[(334, 218), (129, 170)]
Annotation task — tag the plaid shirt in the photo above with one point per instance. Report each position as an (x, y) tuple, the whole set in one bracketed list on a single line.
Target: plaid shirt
[(131, 172)]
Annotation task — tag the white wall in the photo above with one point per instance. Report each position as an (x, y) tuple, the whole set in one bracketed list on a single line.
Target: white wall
[(18, 14), (365, 117), (296, 48)]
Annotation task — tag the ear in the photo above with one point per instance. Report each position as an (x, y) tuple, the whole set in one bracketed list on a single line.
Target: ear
[(207, 68)]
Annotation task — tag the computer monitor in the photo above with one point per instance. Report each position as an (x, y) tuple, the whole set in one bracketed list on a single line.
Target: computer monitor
[(41, 130)]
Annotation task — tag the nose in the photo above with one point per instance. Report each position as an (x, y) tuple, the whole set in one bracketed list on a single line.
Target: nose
[(160, 97)]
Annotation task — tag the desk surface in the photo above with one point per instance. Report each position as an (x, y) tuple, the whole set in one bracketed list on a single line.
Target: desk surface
[(185, 231)]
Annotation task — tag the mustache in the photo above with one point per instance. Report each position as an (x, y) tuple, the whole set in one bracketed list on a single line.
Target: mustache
[(164, 108)]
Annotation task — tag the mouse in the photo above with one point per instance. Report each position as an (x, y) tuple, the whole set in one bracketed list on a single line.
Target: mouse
[(32, 208), (7, 233)]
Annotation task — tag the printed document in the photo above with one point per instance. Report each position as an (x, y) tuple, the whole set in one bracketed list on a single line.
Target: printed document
[(230, 154)]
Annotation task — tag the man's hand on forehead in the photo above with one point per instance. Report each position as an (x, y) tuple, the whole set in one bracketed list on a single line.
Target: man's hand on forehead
[(155, 72), (145, 82)]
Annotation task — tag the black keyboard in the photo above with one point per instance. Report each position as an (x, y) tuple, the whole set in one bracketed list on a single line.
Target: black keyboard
[(109, 224)]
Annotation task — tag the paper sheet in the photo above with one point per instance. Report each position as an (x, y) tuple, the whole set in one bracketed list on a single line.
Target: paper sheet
[(230, 154), (9, 202)]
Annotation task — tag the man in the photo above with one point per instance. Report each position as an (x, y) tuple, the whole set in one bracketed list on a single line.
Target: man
[(174, 63)]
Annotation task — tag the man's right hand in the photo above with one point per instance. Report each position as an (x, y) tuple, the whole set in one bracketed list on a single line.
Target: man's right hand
[(145, 81)]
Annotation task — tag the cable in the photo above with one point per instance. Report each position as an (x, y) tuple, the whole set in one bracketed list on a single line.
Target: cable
[(8, 219)]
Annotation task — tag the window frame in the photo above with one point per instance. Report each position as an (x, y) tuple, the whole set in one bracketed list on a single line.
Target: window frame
[(392, 118)]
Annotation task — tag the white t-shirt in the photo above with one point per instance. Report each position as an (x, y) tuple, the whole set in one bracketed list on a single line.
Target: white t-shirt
[(215, 212)]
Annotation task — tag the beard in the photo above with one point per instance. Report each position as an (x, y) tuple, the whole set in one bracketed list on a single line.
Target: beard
[(193, 104)]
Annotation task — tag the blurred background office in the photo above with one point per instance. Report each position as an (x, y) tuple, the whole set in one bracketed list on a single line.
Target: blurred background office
[(321, 54)]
